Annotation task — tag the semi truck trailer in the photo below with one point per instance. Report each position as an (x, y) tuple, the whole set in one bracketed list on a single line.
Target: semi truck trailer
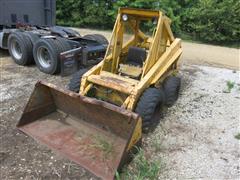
[(29, 32)]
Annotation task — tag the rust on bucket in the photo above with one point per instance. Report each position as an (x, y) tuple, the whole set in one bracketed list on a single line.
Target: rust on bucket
[(90, 132)]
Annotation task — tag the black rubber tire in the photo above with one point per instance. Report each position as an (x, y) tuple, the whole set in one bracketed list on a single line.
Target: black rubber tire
[(33, 37), (148, 106), (97, 37), (65, 45), (25, 45), (54, 49), (75, 81), (101, 39), (59, 48), (171, 88), (89, 36)]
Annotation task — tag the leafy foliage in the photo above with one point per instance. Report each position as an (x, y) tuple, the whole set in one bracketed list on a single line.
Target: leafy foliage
[(214, 21)]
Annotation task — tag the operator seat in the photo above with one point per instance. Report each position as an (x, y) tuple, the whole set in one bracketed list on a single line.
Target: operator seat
[(134, 63), (136, 56)]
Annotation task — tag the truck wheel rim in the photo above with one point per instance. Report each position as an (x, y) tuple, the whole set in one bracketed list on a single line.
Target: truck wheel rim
[(43, 57), (16, 50)]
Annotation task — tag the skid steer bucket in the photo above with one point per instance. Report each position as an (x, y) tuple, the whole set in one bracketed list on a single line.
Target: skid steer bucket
[(90, 132)]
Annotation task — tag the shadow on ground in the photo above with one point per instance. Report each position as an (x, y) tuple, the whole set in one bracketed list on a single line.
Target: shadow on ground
[(3, 53)]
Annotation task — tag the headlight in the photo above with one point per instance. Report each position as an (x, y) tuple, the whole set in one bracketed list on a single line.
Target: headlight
[(155, 21), (124, 17)]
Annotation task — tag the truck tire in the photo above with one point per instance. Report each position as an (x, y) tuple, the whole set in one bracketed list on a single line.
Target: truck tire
[(149, 105), (97, 37), (33, 37), (47, 55), (20, 48), (64, 44), (75, 81), (101, 39), (171, 88)]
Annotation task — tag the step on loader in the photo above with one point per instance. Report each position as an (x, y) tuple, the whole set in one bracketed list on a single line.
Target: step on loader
[(100, 119)]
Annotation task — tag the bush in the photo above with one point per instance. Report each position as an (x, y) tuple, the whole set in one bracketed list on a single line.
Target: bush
[(213, 21)]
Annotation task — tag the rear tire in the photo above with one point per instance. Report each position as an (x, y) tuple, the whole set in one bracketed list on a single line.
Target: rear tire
[(65, 45), (97, 37), (75, 81), (33, 37), (171, 88), (20, 48), (47, 55), (148, 106)]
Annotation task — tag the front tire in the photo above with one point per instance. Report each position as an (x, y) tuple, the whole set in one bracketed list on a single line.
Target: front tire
[(148, 106)]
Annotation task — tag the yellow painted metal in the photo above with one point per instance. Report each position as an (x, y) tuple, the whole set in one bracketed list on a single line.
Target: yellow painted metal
[(130, 70), (123, 78), (112, 83), (110, 96), (162, 66), (163, 50), (155, 47), (139, 12), (137, 135)]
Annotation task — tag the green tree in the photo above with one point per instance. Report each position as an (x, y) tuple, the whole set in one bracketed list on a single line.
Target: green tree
[(213, 20)]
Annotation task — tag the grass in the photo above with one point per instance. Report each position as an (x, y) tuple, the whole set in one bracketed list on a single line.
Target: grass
[(238, 136), (140, 169), (230, 86), (104, 146)]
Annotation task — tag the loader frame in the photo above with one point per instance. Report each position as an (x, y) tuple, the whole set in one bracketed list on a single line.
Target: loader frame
[(162, 59)]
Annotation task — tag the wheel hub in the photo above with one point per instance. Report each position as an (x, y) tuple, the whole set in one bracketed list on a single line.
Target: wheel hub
[(16, 50), (43, 57)]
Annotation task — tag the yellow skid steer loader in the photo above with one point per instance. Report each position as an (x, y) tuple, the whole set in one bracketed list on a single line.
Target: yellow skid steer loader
[(100, 119)]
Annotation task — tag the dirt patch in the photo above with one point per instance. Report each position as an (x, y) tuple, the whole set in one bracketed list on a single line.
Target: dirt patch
[(210, 55), (20, 156), (194, 53)]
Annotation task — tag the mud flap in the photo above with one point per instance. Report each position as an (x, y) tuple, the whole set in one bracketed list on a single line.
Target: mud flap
[(69, 61), (92, 133)]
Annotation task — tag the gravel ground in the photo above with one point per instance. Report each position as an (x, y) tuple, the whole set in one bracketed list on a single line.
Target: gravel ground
[(194, 140)]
